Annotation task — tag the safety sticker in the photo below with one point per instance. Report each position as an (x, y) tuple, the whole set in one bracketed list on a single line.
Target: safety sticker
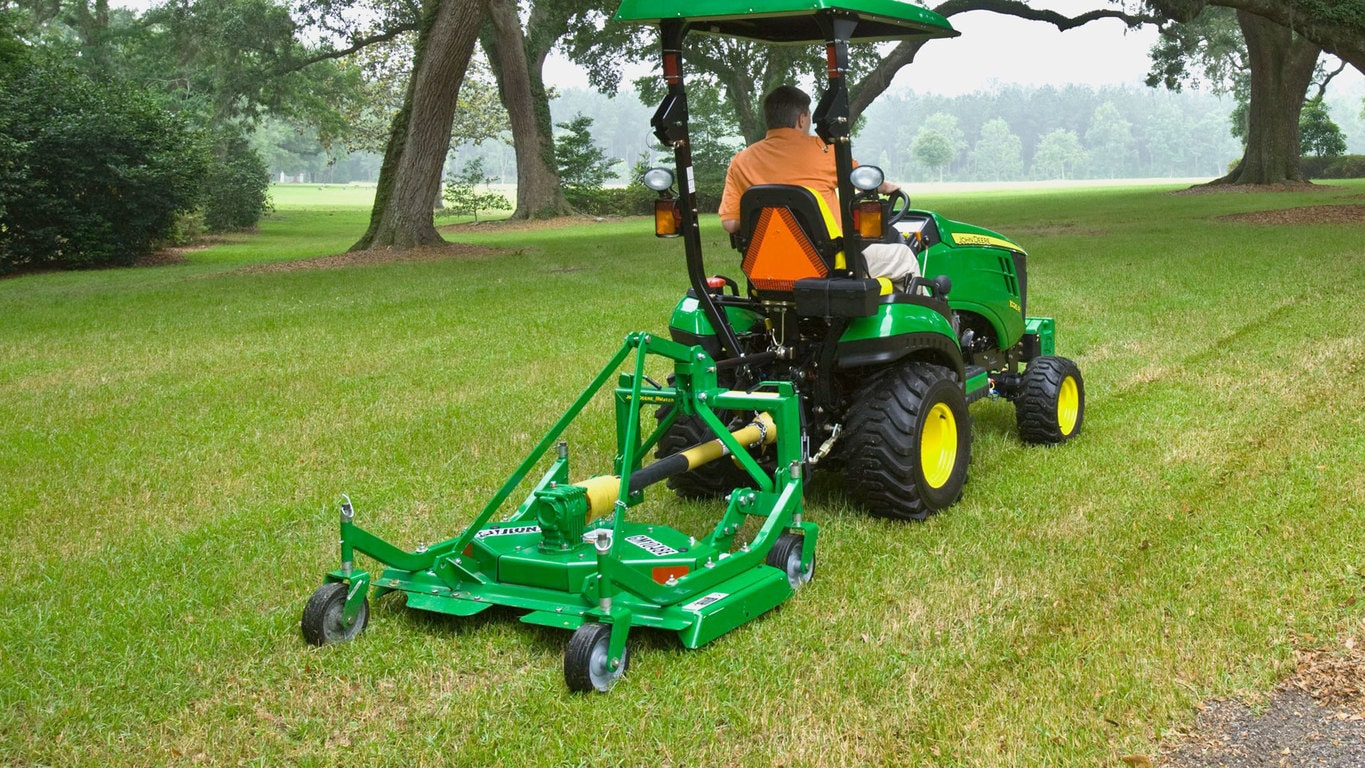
[(697, 605), (512, 531), (656, 548)]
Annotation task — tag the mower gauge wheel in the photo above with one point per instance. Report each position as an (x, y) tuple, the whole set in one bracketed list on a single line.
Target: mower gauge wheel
[(586, 664), (322, 616), (786, 557)]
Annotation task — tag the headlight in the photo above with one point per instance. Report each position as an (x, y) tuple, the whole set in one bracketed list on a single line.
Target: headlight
[(659, 179), (867, 177)]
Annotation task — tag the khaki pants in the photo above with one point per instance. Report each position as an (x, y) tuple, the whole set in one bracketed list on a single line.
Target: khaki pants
[(894, 261)]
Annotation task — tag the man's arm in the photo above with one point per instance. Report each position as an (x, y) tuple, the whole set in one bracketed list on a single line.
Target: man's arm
[(729, 197)]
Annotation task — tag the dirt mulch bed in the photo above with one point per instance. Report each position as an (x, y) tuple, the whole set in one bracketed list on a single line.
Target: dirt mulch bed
[(1312, 214), (383, 256), (533, 225), (1315, 718), (1218, 189)]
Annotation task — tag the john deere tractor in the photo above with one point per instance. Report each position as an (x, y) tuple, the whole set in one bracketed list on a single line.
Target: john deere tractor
[(885, 371), (811, 364)]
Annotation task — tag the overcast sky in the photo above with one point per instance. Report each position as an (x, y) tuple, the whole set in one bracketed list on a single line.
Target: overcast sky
[(995, 48)]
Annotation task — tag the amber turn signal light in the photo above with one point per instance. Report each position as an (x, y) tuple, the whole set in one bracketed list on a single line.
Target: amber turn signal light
[(667, 218)]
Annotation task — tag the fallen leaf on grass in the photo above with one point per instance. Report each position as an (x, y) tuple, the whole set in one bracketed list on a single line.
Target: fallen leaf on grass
[(1137, 761)]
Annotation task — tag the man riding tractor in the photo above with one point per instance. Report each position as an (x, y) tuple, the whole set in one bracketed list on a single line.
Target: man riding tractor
[(888, 320)]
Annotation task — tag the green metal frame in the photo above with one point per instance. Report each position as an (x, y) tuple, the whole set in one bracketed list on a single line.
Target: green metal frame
[(526, 562)]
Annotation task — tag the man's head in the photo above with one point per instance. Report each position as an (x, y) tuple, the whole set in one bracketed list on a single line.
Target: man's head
[(784, 106)]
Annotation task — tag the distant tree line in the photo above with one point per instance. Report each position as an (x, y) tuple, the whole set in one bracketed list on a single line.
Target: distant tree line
[(1015, 133)]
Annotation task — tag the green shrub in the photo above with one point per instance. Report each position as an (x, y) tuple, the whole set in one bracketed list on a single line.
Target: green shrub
[(236, 187), (1346, 167), (1315, 167), (633, 200), (1340, 167), (93, 174)]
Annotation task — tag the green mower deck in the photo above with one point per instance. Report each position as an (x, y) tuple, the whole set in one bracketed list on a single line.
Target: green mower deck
[(569, 557)]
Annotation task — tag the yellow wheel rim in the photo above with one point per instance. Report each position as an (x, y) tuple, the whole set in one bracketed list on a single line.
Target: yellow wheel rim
[(938, 446), (1068, 405)]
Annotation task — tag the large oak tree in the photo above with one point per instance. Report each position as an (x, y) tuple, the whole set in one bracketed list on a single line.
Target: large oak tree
[(410, 178), (1283, 39)]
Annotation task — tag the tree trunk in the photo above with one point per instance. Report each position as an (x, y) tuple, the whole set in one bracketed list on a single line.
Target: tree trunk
[(1282, 65), (518, 63), (410, 178)]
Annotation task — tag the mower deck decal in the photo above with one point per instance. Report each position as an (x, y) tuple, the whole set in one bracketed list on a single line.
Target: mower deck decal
[(697, 605), (512, 531), (653, 547)]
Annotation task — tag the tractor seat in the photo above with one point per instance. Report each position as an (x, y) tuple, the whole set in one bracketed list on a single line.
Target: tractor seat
[(793, 253), (786, 233)]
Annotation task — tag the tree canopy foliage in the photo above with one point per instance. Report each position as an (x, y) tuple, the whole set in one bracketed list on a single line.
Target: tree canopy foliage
[(1335, 26)]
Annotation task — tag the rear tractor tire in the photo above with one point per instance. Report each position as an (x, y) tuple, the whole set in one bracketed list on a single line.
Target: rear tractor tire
[(908, 441), (1050, 406)]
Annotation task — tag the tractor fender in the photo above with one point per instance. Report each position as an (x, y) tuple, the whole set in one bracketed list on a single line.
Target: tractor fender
[(689, 324), (901, 330)]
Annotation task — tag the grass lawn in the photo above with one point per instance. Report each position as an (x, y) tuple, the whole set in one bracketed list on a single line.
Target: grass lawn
[(176, 439)]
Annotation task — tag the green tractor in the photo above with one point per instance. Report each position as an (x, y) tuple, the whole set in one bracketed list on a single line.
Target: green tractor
[(885, 372), (813, 366)]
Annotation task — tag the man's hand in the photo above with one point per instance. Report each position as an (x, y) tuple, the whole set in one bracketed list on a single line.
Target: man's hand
[(887, 187), (730, 225)]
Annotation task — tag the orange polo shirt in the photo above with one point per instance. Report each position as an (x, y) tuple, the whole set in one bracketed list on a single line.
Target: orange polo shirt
[(783, 156)]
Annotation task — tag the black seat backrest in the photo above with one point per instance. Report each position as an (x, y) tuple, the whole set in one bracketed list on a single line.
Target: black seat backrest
[(784, 234)]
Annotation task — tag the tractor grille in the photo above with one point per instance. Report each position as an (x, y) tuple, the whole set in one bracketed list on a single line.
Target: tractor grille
[(1007, 269)]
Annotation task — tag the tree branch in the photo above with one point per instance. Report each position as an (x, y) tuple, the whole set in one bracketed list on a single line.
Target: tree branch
[(1345, 41), (357, 44), (1322, 86), (1020, 9)]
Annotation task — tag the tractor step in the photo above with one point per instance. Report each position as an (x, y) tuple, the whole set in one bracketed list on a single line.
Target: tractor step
[(978, 383)]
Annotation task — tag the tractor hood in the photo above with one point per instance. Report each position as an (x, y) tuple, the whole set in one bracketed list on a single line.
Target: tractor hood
[(791, 21)]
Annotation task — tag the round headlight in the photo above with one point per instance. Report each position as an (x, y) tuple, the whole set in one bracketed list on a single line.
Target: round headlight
[(867, 177), (659, 179)]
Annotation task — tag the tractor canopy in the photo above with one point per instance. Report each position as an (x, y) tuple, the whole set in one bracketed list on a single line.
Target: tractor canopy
[(791, 21)]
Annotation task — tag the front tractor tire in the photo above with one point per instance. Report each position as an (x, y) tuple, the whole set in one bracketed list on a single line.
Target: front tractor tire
[(1050, 406), (908, 441)]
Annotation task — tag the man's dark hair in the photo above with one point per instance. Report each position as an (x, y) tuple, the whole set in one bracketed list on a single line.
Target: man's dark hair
[(783, 105)]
